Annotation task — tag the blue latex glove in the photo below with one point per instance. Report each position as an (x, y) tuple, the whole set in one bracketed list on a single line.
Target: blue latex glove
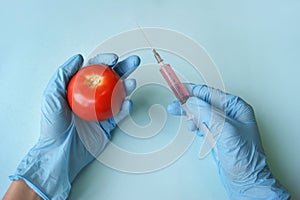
[(241, 159), (53, 163)]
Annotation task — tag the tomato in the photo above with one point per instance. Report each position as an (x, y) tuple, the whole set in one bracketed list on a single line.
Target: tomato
[(95, 93)]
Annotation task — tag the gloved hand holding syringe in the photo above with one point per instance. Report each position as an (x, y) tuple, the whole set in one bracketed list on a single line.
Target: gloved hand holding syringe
[(182, 95)]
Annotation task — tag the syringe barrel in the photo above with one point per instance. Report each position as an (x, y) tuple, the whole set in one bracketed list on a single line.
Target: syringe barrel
[(174, 83)]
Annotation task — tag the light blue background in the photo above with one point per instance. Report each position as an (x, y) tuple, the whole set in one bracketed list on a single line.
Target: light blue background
[(255, 45)]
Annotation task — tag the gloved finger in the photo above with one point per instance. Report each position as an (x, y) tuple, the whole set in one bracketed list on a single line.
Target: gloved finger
[(213, 96), (109, 59), (233, 106), (202, 91), (130, 85), (199, 109), (174, 108), (189, 87), (127, 66), (110, 124), (125, 110)]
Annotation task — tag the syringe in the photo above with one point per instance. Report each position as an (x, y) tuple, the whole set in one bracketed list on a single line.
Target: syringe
[(182, 95)]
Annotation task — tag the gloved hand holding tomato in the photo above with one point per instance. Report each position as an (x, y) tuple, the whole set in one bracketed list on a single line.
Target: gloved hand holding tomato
[(52, 164)]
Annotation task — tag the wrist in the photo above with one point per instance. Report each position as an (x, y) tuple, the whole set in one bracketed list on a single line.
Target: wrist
[(20, 190), (261, 186), (45, 167)]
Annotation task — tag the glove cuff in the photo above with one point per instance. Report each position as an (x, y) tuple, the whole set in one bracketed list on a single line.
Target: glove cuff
[(52, 164), (30, 184)]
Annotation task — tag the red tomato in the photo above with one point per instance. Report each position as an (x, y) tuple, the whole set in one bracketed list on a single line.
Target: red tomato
[(95, 93)]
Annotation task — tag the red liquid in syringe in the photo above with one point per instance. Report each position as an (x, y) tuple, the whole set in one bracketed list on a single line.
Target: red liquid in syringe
[(174, 83)]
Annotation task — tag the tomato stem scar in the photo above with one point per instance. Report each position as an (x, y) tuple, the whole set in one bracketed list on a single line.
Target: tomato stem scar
[(93, 80)]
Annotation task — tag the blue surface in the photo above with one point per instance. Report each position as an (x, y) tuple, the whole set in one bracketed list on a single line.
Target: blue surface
[(255, 45)]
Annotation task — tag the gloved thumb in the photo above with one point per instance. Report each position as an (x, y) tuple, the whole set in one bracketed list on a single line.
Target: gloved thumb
[(71, 66), (55, 112), (63, 74)]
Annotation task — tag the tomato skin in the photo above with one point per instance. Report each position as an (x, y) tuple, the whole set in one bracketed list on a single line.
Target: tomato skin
[(95, 93)]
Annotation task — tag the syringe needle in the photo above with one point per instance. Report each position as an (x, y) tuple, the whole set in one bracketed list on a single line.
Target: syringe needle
[(146, 38), (157, 56)]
